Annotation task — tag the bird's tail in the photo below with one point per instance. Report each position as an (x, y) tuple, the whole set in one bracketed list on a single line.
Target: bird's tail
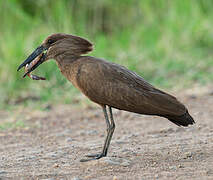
[(183, 120)]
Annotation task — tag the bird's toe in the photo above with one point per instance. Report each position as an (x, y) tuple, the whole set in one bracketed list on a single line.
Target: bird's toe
[(92, 157), (95, 155)]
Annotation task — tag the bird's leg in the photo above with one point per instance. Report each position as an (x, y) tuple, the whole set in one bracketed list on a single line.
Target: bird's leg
[(110, 130)]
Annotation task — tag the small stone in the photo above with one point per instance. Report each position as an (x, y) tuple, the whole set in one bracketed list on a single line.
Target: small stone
[(3, 172), (187, 155), (120, 142), (92, 132), (125, 164), (172, 167), (69, 139), (56, 165), (180, 166)]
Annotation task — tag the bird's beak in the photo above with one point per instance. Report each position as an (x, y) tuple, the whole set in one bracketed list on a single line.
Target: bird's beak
[(32, 56), (38, 61)]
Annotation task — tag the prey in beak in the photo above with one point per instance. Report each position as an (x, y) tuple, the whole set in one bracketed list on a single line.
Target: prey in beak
[(33, 61), (30, 67)]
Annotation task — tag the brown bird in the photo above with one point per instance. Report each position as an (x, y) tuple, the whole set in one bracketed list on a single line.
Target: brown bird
[(106, 83)]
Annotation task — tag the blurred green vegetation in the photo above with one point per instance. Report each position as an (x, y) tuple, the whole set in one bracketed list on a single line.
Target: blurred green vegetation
[(12, 125), (169, 43)]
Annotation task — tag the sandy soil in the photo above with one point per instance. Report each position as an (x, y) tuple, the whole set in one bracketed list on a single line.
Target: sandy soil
[(52, 143)]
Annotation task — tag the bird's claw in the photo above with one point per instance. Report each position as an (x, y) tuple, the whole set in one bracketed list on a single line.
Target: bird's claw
[(93, 157), (97, 156)]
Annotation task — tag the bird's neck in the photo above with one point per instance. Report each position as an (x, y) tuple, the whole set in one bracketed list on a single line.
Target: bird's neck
[(68, 68), (66, 61)]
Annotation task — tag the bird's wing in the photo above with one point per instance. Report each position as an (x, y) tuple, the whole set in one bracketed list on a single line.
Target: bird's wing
[(154, 97), (112, 84)]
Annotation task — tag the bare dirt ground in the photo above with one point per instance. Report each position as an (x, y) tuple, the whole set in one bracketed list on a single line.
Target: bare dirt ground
[(52, 143)]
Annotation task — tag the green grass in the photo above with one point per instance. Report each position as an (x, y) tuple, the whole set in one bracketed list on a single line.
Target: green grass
[(169, 43), (12, 125)]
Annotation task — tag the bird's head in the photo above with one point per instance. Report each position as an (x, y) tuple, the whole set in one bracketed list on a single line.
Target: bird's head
[(56, 46)]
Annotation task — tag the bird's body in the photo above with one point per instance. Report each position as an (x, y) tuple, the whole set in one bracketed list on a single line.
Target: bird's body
[(108, 84)]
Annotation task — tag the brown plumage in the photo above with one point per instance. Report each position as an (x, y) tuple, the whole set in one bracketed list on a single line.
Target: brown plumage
[(108, 84)]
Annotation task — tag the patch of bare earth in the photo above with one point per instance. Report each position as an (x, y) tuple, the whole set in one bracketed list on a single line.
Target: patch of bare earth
[(143, 147)]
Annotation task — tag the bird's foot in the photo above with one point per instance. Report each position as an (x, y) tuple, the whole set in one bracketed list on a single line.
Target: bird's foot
[(93, 157)]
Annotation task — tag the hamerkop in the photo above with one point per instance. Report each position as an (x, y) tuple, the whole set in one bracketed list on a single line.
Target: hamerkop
[(106, 83)]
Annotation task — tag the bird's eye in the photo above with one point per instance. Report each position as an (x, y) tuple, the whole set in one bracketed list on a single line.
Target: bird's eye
[(50, 41)]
